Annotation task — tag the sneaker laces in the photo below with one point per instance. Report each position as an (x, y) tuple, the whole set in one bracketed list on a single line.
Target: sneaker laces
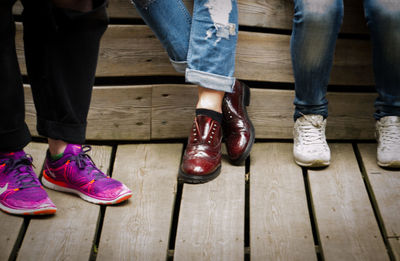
[(312, 134), (84, 161), (390, 134), (24, 176)]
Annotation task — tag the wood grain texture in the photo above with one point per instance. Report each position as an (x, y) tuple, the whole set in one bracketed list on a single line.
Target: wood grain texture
[(10, 225), (347, 226), (165, 111), (385, 185), (116, 113), (271, 112), (395, 245), (276, 14), (143, 226), (211, 218), (69, 234), (280, 227), (133, 50)]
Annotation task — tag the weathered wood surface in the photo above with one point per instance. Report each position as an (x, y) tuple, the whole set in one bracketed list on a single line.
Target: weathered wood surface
[(276, 14), (385, 184), (347, 227), (118, 112), (211, 218), (165, 111), (10, 225), (143, 223), (69, 234), (280, 227), (133, 50), (271, 112)]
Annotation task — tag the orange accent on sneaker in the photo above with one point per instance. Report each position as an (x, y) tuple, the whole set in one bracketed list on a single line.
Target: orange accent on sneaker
[(91, 181), (51, 180), (16, 189), (123, 199)]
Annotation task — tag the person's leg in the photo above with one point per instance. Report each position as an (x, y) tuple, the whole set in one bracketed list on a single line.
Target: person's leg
[(14, 134), (383, 19), (20, 190), (206, 45), (316, 25), (62, 40)]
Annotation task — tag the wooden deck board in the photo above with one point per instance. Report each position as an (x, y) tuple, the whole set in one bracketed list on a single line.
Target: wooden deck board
[(385, 184), (211, 218), (280, 227), (139, 229), (347, 227), (10, 225), (70, 233)]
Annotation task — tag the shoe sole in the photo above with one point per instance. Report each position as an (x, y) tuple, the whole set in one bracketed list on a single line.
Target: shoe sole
[(314, 164), (195, 179), (29, 212), (117, 200), (246, 153), (392, 165)]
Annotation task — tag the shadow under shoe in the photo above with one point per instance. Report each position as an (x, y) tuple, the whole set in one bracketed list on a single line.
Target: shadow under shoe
[(238, 130), (202, 158)]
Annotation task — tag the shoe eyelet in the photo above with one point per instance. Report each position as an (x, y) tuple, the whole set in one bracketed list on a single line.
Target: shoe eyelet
[(195, 139), (209, 141), (230, 117)]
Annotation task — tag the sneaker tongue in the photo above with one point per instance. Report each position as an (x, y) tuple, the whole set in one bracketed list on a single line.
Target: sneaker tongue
[(73, 149), (391, 120)]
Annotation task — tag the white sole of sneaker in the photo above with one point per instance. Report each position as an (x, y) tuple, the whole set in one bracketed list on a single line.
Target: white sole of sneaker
[(393, 164), (117, 200), (41, 211), (313, 164)]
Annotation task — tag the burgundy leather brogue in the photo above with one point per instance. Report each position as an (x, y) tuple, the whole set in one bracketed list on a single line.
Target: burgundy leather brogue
[(202, 158), (238, 130)]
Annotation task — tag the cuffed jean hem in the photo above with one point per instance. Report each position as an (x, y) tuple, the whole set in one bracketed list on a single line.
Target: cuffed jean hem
[(210, 80), (180, 67), (15, 140), (303, 110), (383, 111), (71, 133)]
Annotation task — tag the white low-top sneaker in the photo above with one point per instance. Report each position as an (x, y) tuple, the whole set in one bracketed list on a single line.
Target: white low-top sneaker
[(388, 138), (310, 148)]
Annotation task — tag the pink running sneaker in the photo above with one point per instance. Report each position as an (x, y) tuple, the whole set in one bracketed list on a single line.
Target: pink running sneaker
[(76, 173), (20, 190)]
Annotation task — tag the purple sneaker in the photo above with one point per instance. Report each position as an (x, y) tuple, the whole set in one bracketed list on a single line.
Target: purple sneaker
[(20, 190), (76, 173)]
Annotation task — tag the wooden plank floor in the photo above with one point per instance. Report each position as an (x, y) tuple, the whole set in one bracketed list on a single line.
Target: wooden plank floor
[(266, 209)]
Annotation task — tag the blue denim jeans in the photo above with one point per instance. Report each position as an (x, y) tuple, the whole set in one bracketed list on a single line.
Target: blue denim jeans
[(316, 25), (202, 46)]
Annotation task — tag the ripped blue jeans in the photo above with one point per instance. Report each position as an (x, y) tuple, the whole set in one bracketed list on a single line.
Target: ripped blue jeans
[(203, 46), (316, 25)]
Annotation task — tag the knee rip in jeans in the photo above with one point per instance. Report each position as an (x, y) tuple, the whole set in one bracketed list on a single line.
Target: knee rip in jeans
[(143, 3), (219, 12)]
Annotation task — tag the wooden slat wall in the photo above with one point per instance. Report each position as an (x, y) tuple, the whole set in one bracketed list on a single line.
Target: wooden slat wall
[(276, 14), (146, 112), (133, 50), (165, 111)]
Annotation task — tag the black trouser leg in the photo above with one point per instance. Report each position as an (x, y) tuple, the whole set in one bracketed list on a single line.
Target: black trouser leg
[(61, 49), (14, 133)]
